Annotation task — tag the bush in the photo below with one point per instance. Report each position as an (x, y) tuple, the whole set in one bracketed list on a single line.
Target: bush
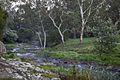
[(10, 56), (10, 36), (25, 35), (106, 37), (3, 17)]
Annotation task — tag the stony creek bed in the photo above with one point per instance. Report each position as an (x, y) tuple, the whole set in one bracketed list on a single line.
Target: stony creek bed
[(43, 62)]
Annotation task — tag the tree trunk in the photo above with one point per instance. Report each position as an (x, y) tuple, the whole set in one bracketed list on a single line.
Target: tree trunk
[(62, 36), (81, 35), (58, 27), (84, 18), (44, 40), (38, 33), (44, 45)]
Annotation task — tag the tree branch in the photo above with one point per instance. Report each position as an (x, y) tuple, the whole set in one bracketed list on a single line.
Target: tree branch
[(89, 13), (100, 4), (116, 23), (61, 20), (66, 30), (53, 20), (88, 7)]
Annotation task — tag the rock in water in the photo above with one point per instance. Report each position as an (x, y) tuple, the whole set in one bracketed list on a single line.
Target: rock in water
[(2, 48)]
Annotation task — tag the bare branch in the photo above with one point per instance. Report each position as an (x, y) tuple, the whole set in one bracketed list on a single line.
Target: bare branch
[(61, 20), (58, 27), (66, 30), (100, 4), (53, 20), (88, 7), (89, 13), (43, 29), (81, 10), (116, 23)]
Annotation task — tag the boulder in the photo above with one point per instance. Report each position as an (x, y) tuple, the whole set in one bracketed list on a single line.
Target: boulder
[(2, 48)]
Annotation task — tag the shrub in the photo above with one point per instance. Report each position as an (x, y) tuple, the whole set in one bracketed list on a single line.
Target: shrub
[(25, 35), (3, 17), (106, 37), (10, 36), (10, 56)]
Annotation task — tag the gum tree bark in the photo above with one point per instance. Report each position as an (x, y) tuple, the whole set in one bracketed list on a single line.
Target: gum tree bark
[(45, 35), (84, 19), (58, 27), (85, 14)]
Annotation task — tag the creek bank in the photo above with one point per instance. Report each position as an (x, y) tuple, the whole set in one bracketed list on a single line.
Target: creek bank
[(30, 53), (60, 62), (25, 71), (69, 63)]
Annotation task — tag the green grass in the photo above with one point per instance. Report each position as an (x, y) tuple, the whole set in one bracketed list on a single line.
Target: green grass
[(15, 45), (10, 56), (8, 79), (113, 59), (50, 76), (85, 52), (74, 44), (9, 46), (56, 69), (74, 74)]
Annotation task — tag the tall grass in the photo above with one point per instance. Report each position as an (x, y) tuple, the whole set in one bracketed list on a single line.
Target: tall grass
[(90, 74)]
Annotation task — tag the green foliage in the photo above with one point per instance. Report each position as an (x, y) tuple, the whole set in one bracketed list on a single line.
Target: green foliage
[(53, 38), (25, 35), (10, 56), (3, 17), (72, 51), (73, 45), (50, 76), (7, 79), (106, 37), (10, 36), (10, 46), (73, 73)]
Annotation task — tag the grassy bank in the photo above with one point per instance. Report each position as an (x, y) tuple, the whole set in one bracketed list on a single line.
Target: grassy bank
[(85, 52)]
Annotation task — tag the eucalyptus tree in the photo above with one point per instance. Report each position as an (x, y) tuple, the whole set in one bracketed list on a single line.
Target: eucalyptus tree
[(85, 8), (83, 12), (41, 11), (56, 14)]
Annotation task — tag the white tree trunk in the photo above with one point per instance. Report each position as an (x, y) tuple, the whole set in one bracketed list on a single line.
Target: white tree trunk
[(85, 14), (81, 35), (40, 40), (84, 19), (44, 33), (58, 27), (62, 36), (45, 39)]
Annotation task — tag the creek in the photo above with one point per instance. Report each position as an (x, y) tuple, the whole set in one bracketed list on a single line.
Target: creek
[(29, 53)]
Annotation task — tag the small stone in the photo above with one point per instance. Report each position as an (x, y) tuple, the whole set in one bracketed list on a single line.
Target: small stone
[(55, 79)]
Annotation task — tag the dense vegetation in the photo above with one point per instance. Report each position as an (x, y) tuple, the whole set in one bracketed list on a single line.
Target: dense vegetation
[(28, 24), (3, 16), (65, 39), (73, 52)]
